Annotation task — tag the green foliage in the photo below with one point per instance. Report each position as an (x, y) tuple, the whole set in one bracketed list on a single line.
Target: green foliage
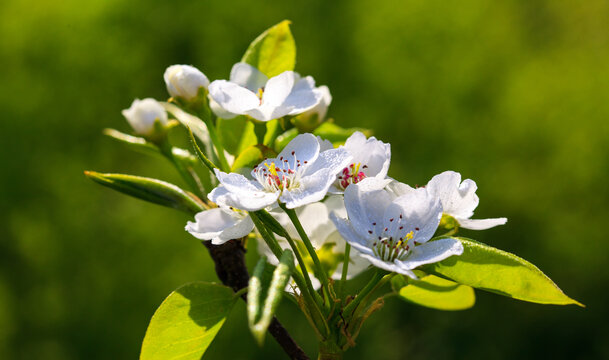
[(336, 134), (435, 292), (260, 313), (187, 321), (484, 267), (236, 134), (251, 156), (152, 190), (274, 51)]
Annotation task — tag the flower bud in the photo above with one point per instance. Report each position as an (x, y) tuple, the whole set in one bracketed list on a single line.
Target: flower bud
[(143, 114), (184, 81)]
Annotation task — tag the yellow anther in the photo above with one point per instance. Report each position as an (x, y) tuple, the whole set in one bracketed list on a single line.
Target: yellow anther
[(272, 168), (409, 236)]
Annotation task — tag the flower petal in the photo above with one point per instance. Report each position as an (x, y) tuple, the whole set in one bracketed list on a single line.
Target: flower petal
[(481, 224), (232, 97), (458, 199), (392, 267), (375, 155), (348, 233), (421, 214), (303, 97), (249, 77), (431, 252), (366, 202), (220, 225), (278, 88), (250, 201), (305, 148)]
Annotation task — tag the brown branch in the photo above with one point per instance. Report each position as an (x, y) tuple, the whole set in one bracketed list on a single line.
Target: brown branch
[(230, 267)]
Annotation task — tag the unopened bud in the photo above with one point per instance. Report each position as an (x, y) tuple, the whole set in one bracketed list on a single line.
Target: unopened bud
[(184, 81)]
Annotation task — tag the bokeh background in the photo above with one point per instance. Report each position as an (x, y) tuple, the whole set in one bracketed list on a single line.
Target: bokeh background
[(514, 94)]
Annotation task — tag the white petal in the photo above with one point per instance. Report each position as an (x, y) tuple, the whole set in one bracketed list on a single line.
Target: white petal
[(481, 224), (219, 110), (312, 188), (357, 264), (232, 97), (398, 189), (366, 204), (392, 267), (315, 219), (421, 214), (458, 199), (219, 225), (249, 77), (333, 160), (184, 81), (278, 88), (250, 201), (305, 148), (431, 252), (303, 97), (348, 233), (372, 153)]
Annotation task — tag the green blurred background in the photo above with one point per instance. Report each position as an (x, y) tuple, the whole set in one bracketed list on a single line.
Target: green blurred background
[(514, 94)]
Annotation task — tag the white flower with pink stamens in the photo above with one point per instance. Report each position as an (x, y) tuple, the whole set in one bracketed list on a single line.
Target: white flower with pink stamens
[(220, 225), (391, 232), (371, 158), (301, 174)]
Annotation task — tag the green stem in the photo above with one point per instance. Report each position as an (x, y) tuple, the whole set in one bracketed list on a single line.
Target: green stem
[(319, 271), (329, 351), (370, 287), (305, 289), (343, 277), (188, 174), (211, 128)]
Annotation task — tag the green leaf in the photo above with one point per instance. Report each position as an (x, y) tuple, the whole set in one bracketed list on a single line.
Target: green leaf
[(273, 51), (251, 156), (437, 293), (152, 190), (236, 134), (259, 317), (187, 322), (282, 140), (487, 268), (336, 134)]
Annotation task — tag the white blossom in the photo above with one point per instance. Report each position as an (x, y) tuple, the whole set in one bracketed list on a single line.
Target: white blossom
[(142, 115), (459, 200), (220, 225), (391, 232), (249, 92), (184, 81), (371, 158), (301, 174)]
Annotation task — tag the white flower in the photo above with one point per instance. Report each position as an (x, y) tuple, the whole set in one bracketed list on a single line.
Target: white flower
[(393, 232), (220, 225), (300, 175), (315, 219), (310, 119), (371, 158), (184, 81), (459, 200), (249, 92), (142, 115)]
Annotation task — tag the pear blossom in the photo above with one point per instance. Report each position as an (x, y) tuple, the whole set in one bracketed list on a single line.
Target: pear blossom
[(310, 119), (143, 114), (249, 92), (315, 219), (301, 174), (371, 158), (184, 81), (459, 200), (220, 225), (391, 232)]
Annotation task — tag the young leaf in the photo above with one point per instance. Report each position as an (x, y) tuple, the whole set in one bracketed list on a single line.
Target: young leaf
[(273, 51), (487, 268), (336, 134), (187, 322), (251, 156), (236, 134), (259, 317), (437, 293), (152, 190)]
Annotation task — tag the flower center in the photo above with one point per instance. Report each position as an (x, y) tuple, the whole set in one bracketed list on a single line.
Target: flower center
[(279, 175), (352, 175), (259, 93), (393, 242)]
